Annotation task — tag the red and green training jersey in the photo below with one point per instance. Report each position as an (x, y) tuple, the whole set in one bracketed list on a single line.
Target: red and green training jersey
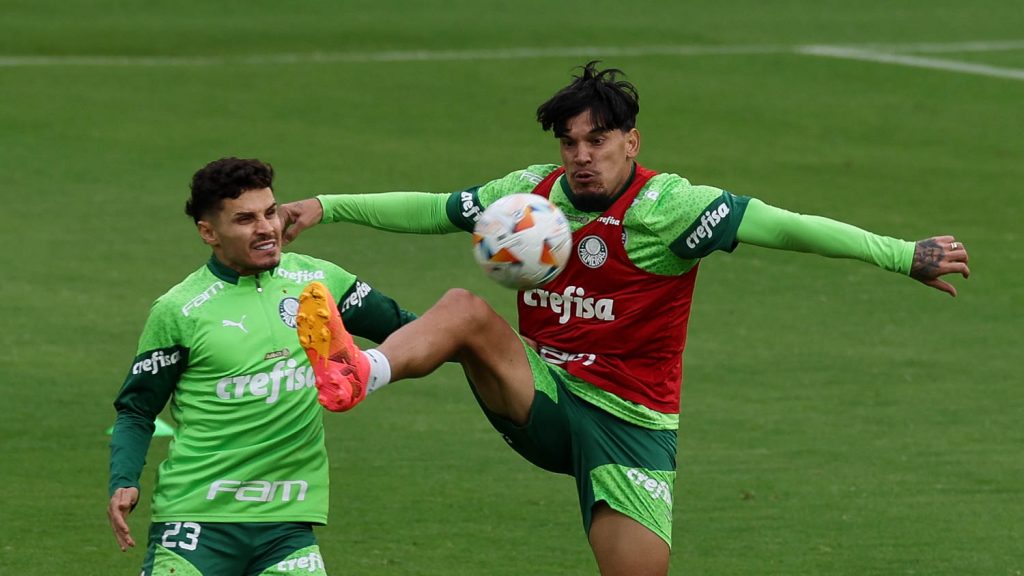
[(667, 228), (578, 318)]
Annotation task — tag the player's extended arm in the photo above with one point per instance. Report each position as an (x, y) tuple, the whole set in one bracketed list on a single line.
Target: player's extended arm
[(142, 397), (409, 212), (129, 444), (926, 260)]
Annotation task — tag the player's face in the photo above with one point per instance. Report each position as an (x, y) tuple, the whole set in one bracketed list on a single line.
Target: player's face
[(246, 233), (597, 162)]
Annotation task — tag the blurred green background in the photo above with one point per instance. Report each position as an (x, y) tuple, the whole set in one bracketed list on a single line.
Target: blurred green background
[(836, 419)]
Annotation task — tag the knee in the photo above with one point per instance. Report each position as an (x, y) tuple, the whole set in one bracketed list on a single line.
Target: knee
[(474, 312), (465, 301)]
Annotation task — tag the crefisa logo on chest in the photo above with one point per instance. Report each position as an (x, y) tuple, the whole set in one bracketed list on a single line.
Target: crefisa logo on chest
[(593, 252), (287, 309)]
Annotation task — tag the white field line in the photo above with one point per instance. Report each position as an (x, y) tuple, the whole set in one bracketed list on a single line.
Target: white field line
[(935, 48), (913, 61), (392, 56), (883, 53)]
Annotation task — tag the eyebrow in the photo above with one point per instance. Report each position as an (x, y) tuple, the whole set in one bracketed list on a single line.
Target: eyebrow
[(253, 212), (592, 132)]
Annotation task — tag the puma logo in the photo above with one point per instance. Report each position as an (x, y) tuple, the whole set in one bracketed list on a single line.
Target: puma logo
[(240, 324)]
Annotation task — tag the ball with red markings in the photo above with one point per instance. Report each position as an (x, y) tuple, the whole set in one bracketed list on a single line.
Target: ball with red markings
[(522, 241)]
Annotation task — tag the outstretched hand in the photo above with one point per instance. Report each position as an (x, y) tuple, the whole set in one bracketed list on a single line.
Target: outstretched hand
[(298, 216), (937, 256), (121, 504)]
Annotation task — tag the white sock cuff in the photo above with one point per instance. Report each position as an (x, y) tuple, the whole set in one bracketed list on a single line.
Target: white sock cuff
[(380, 370)]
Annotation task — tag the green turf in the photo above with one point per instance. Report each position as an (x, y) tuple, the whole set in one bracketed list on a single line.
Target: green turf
[(837, 419)]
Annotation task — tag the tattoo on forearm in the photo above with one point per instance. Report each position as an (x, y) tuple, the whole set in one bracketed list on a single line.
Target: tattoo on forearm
[(928, 254)]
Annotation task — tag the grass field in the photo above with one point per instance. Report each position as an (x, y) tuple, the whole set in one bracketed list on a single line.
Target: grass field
[(836, 419)]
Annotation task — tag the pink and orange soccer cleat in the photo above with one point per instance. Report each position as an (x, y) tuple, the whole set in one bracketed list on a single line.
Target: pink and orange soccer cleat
[(340, 368)]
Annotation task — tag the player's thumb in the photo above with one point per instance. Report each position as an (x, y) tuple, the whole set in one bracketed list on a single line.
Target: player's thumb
[(289, 234)]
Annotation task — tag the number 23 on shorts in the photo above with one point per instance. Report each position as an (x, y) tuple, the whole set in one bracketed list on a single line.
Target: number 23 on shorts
[(184, 535)]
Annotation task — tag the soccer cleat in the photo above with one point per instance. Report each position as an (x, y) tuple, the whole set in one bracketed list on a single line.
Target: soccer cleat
[(340, 368)]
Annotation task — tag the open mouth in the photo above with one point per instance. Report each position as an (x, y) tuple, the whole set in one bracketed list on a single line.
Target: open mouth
[(265, 245), (584, 177)]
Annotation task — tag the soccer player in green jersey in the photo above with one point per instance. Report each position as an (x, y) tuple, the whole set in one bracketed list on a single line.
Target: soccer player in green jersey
[(246, 476), (592, 388)]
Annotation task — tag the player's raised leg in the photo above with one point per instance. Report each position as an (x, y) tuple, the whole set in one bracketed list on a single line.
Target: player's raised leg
[(463, 327), (460, 327)]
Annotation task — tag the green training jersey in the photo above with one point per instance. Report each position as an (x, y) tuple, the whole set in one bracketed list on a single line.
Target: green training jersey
[(249, 444)]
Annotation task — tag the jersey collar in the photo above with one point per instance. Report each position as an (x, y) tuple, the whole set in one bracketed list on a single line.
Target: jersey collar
[(227, 274)]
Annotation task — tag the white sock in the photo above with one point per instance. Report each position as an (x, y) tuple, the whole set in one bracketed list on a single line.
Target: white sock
[(380, 370)]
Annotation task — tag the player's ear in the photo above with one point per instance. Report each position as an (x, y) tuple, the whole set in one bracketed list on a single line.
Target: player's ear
[(207, 232), (632, 143)]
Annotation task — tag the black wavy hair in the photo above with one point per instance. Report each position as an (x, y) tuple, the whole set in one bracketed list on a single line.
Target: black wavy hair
[(225, 178), (613, 103)]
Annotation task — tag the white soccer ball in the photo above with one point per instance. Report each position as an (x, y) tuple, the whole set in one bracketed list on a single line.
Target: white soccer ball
[(522, 241)]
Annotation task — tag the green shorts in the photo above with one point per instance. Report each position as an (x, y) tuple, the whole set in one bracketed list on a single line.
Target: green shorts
[(229, 549), (629, 467)]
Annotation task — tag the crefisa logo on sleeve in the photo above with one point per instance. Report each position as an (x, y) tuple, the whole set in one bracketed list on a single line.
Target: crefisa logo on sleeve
[(157, 359), (705, 228)]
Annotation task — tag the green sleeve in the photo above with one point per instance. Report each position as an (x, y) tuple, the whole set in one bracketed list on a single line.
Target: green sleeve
[(465, 207), (696, 220), (771, 227), (411, 212), (425, 212), (366, 311), (151, 380), (371, 314)]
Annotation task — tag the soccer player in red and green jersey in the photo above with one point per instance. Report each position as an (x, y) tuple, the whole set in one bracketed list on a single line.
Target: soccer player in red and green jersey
[(245, 477), (592, 388)]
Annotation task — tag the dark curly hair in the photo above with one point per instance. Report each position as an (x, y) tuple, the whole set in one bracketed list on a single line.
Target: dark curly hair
[(613, 103), (225, 178)]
